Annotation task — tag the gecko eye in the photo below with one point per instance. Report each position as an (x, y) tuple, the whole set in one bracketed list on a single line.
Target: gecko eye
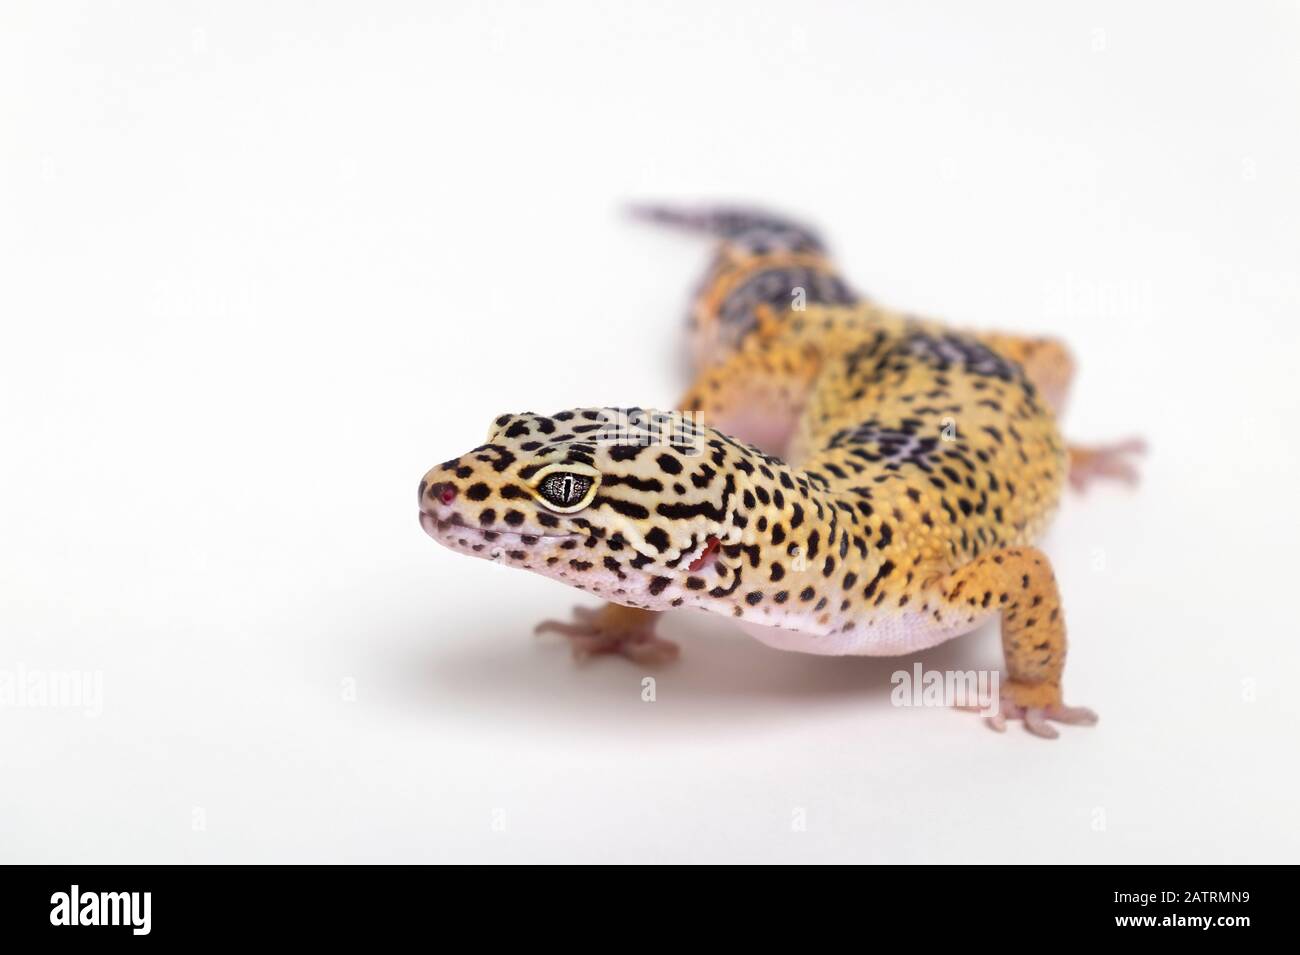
[(565, 490)]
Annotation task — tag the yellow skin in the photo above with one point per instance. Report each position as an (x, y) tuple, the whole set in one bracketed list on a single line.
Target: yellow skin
[(843, 479)]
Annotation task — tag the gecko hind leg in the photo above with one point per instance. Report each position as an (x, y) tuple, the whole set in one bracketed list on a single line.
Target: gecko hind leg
[(613, 628), (1089, 463), (756, 395), (1019, 581), (1048, 364)]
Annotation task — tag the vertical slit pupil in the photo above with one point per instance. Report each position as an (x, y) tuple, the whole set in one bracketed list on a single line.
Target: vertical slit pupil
[(565, 489)]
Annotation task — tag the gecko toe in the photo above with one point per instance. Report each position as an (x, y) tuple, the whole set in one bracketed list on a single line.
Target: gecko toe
[(1037, 717), (1090, 464), (1072, 715), (1036, 723)]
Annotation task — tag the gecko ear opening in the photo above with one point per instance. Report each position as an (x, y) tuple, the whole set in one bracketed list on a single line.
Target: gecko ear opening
[(565, 488)]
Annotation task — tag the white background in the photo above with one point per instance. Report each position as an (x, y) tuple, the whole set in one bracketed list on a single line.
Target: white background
[(261, 265)]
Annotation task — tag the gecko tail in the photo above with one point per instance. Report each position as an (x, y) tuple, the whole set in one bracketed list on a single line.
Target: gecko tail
[(752, 229), (765, 269)]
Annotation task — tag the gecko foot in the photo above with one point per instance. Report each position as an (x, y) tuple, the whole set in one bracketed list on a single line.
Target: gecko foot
[(613, 629), (1088, 464), (1036, 704)]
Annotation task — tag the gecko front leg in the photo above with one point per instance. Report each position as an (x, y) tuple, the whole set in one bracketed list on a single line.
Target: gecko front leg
[(613, 628), (1020, 583)]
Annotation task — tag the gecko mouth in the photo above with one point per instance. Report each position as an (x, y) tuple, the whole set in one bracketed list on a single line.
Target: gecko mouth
[(541, 553), (456, 532)]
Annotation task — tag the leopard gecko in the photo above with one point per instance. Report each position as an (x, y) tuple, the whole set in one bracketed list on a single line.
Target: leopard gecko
[(840, 478)]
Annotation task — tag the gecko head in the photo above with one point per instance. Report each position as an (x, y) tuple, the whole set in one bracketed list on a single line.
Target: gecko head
[(624, 503)]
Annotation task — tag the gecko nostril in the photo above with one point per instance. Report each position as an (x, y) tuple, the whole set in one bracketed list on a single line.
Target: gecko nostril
[(442, 492)]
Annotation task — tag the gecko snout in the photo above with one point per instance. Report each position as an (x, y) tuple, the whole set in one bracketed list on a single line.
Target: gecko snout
[(435, 500)]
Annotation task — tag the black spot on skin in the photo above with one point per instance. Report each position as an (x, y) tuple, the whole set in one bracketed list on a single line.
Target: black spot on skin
[(885, 570), (694, 583), (778, 572), (753, 597), (725, 591), (478, 492), (657, 538), (658, 584), (807, 594), (626, 508), (513, 518), (489, 516), (669, 464), (652, 485)]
